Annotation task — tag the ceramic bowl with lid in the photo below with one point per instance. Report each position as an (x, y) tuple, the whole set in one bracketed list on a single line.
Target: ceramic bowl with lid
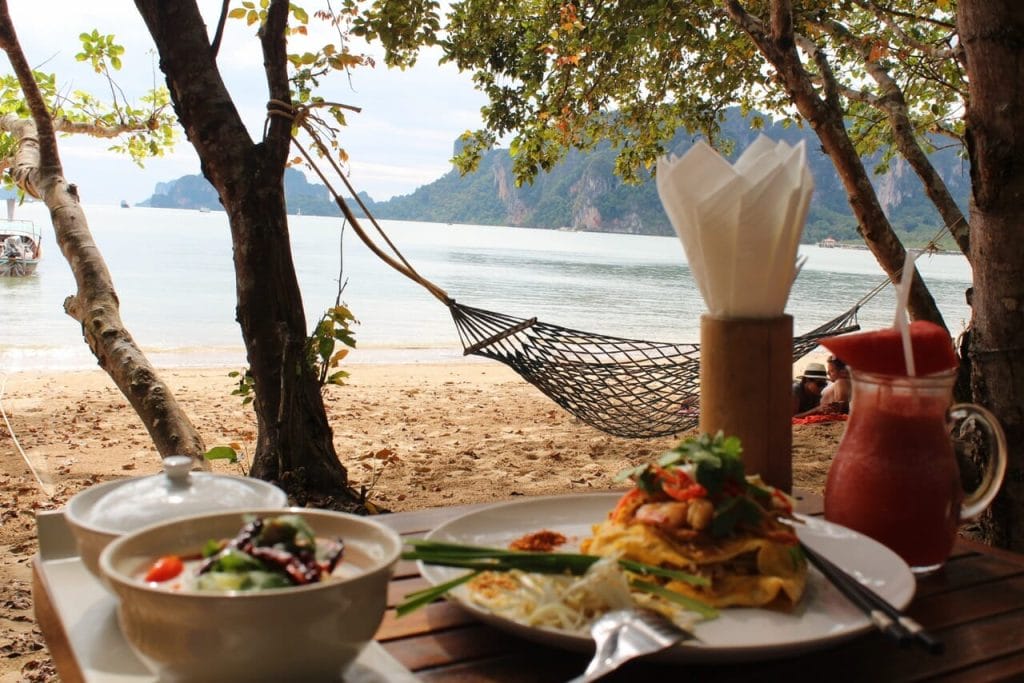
[(101, 513)]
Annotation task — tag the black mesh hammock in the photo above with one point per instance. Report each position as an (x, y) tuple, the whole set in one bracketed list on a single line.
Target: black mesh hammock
[(625, 387)]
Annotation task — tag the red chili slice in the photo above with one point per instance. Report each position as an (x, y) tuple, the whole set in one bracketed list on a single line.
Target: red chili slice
[(783, 502), (165, 568), (684, 492)]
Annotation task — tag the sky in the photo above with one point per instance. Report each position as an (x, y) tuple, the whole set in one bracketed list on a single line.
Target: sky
[(402, 139)]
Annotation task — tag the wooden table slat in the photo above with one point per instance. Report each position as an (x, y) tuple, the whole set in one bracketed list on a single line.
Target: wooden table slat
[(1002, 669), (437, 616), (966, 571), (472, 641), (536, 665), (405, 569), (399, 588), (978, 601)]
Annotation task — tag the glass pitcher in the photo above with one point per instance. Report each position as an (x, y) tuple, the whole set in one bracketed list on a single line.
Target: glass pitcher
[(895, 476)]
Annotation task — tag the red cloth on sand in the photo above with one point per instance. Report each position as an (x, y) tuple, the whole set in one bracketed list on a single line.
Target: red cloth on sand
[(814, 419)]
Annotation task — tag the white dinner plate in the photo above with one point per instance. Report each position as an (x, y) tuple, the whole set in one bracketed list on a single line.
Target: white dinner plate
[(822, 618)]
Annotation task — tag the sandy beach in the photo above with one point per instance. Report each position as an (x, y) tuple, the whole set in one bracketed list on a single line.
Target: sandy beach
[(415, 435)]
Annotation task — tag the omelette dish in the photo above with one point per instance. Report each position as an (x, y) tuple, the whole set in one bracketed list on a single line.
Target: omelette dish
[(695, 511)]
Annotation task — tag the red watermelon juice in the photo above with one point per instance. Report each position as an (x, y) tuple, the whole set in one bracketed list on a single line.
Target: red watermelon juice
[(894, 476)]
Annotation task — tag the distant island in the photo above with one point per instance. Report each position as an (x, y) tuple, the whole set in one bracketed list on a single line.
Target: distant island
[(583, 193)]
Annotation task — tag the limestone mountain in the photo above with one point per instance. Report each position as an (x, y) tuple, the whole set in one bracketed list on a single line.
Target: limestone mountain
[(583, 193), (194, 192)]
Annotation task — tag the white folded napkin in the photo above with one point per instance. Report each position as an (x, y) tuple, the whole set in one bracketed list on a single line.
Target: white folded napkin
[(740, 224)]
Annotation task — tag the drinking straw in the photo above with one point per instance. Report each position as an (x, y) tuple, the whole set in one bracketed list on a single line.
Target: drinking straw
[(902, 298)]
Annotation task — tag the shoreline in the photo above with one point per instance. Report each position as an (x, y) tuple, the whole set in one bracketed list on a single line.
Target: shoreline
[(416, 435), (14, 362)]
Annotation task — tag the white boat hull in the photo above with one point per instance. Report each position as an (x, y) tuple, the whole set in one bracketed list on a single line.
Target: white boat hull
[(17, 267)]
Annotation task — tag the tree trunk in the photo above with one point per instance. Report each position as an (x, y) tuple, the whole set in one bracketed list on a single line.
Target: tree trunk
[(294, 446), (37, 170), (777, 43), (992, 33), (934, 185)]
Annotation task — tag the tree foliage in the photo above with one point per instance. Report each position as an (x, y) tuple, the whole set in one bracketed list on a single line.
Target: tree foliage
[(143, 129), (563, 74)]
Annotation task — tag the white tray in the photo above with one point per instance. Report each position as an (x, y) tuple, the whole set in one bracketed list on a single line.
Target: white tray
[(89, 614)]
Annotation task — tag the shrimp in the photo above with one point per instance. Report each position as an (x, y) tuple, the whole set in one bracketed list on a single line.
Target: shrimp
[(674, 515), (670, 515)]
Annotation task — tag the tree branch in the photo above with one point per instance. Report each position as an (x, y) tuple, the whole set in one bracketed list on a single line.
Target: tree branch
[(41, 144), (885, 16), (782, 23), (218, 35), (201, 100), (893, 104), (97, 130), (275, 64)]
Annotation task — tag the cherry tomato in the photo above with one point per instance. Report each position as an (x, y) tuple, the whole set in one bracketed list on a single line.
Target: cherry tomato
[(165, 568)]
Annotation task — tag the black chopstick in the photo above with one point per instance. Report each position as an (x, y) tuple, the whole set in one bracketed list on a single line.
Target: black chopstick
[(882, 614)]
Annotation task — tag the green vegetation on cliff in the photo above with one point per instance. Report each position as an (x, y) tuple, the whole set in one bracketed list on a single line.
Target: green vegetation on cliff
[(583, 193)]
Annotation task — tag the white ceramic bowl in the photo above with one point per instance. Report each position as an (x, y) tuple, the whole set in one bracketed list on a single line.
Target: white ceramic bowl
[(302, 633), (101, 513)]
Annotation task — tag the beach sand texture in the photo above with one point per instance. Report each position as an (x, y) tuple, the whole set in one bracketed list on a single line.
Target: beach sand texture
[(416, 435)]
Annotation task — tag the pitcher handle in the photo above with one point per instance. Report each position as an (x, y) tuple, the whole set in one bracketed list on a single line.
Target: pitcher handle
[(995, 466)]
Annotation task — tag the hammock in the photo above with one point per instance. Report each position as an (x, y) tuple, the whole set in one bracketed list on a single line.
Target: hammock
[(624, 387)]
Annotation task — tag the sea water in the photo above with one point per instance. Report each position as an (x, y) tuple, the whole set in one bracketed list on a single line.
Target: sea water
[(174, 277)]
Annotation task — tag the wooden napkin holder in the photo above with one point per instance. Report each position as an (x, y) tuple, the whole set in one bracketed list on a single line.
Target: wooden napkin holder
[(746, 384)]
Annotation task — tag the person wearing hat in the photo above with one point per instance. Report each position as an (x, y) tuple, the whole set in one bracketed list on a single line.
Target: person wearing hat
[(835, 397), (808, 387)]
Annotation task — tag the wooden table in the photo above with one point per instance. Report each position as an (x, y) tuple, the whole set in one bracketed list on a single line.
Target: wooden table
[(975, 605)]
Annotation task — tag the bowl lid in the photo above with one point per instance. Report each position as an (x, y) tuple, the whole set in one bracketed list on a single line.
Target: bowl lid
[(134, 503)]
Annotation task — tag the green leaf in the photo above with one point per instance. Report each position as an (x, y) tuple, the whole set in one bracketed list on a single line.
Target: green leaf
[(234, 560), (222, 453), (703, 609), (413, 601), (651, 570), (325, 348), (734, 512)]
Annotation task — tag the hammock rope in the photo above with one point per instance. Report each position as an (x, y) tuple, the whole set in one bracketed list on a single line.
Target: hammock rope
[(624, 387)]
